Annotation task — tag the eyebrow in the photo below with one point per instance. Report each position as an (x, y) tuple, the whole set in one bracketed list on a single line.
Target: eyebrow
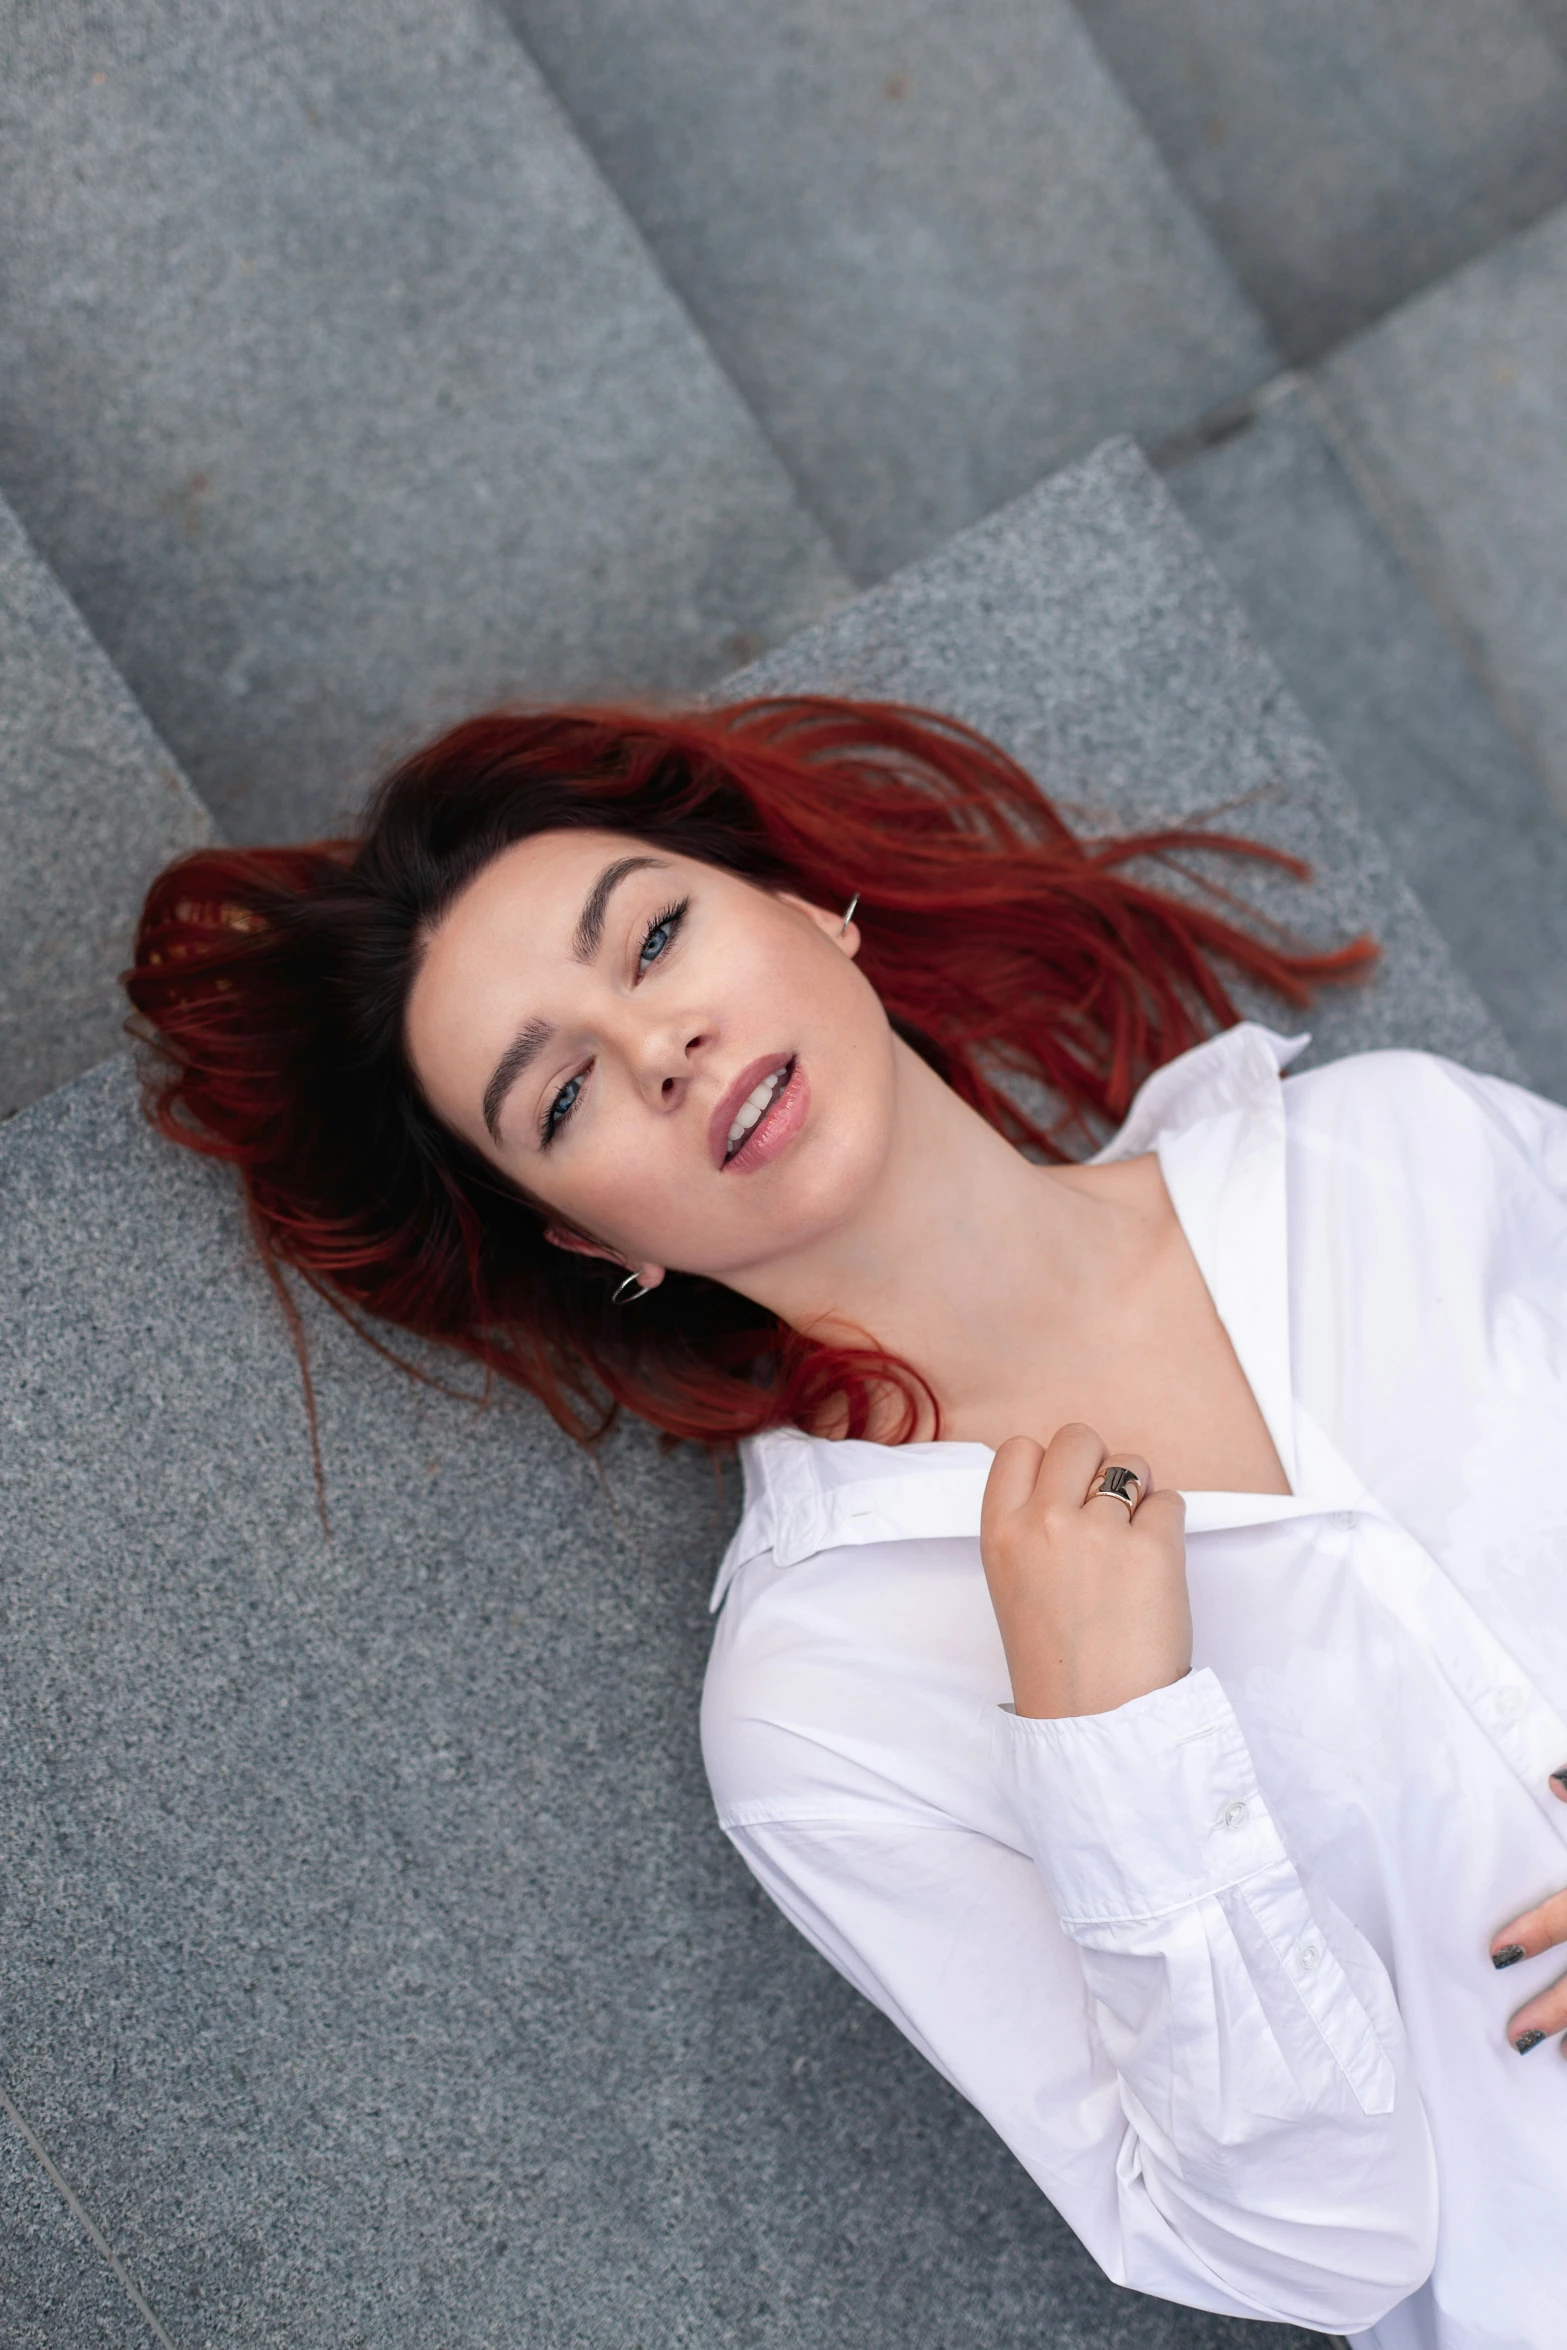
[(589, 932), (586, 939), (524, 1047)]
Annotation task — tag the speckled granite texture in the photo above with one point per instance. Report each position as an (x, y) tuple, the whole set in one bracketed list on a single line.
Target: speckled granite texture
[(57, 2292), (1465, 816), (1456, 407), (1346, 152), (342, 395), (90, 805), (931, 242)]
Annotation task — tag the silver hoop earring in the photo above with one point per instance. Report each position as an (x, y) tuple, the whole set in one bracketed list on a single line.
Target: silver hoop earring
[(618, 1295), (849, 916)]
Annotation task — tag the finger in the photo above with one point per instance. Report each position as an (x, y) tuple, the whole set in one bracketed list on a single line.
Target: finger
[(1162, 1511), (1014, 1473), (1558, 1784), (1123, 1460), (1072, 1462), (1537, 1930), (1538, 2018)]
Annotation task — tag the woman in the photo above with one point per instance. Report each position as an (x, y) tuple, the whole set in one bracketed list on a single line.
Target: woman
[(580, 1060)]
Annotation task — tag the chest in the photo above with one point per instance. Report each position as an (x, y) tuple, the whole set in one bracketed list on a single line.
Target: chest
[(1147, 1363)]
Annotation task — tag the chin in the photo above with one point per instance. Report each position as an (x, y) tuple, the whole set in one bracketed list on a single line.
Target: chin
[(823, 1186)]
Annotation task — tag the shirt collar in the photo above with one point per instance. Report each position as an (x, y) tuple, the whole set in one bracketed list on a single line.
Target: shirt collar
[(1216, 1118)]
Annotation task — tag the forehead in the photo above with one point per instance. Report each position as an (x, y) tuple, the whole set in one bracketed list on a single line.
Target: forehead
[(512, 922), (520, 913), (533, 891)]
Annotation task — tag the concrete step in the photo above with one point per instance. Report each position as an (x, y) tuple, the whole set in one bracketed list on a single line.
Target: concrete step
[(1453, 413), (341, 394), (370, 1963), (57, 2291), (91, 804), (933, 245), (1346, 155), (1464, 813)]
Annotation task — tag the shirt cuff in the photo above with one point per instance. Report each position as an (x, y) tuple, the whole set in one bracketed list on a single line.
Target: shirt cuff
[(1132, 1814)]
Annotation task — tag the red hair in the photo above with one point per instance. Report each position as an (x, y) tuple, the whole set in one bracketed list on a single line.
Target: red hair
[(274, 980)]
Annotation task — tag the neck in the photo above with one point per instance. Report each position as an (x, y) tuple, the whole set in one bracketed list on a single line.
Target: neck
[(965, 1260)]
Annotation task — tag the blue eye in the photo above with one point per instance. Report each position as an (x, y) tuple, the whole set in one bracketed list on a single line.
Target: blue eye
[(561, 1107), (661, 933)]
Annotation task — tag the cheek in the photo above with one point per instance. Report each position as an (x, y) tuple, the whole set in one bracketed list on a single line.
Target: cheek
[(628, 1183)]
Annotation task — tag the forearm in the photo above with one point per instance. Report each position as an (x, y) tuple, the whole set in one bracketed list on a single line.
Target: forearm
[(1274, 2126), (1188, 2167)]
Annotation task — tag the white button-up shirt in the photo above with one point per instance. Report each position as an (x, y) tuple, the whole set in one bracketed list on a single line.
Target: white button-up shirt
[(1215, 1964)]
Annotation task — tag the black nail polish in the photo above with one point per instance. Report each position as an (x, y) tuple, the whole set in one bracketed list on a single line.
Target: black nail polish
[(1528, 2040), (1509, 1954), (1560, 1776)]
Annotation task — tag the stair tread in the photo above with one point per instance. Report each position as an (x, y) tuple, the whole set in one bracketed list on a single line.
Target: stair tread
[(342, 394), (55, 2287), (1345, 156), (935, 248), (91, 804), (1464, 815), (1455, 410), (371, 1964)]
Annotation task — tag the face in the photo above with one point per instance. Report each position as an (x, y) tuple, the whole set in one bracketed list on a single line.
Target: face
[(685, 1069)]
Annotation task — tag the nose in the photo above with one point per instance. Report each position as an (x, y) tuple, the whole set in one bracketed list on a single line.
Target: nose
[(670, 1053)]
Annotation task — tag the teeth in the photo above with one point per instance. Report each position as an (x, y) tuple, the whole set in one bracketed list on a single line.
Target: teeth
[(752, 1107)]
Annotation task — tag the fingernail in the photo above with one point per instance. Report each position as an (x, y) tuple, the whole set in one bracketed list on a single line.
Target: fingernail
[(1509, 1954), (1561, 1777), (1528, 2040)]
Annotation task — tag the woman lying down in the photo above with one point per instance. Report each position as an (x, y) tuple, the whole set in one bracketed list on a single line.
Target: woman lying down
[(1140, 1666)]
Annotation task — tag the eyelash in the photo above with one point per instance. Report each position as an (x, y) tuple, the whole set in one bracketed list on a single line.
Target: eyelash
[(670, 920), (554, 1117)]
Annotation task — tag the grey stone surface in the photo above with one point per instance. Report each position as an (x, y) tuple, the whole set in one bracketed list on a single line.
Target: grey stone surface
[(369, 1959), (1347, 152), (341, 394), (56, 2291), (90, 805), (1086, 629), (1455, 412), (1463, 813), (1552, 16), (932, 243)]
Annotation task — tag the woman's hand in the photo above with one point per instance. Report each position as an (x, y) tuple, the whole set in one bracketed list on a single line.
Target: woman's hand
[(1537, 1930), (1091, 1602)]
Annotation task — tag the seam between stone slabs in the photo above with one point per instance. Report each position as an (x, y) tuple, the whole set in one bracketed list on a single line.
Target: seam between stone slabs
[(1400, 528), (40, 2155), (1407, 536), (1215, 426), (577, 132)]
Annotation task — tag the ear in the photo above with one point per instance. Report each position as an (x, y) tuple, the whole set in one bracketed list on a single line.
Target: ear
[(577, 1244), (831, 925)]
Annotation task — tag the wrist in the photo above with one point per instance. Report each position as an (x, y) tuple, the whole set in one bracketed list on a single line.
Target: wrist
[(1072, 1697)]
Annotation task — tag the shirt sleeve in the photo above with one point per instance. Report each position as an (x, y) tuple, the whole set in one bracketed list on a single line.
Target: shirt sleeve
[(1194, 2054)]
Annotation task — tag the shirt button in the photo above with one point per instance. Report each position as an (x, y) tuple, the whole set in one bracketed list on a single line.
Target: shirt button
[(1309, 1957), (1234, 1815), (1510, 1703), (1346, 1520)]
